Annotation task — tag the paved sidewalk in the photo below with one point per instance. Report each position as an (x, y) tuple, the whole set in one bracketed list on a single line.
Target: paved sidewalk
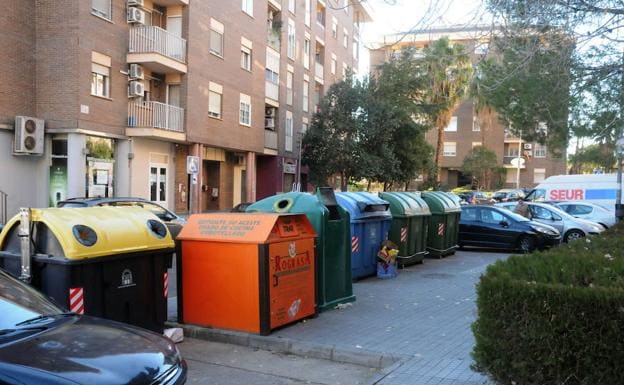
[(423, 316), (425, 313)]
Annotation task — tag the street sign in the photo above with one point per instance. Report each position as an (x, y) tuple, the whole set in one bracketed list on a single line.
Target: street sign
[(192, 165)]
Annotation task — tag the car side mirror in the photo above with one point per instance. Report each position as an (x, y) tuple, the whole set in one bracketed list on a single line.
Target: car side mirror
[(504, 223)]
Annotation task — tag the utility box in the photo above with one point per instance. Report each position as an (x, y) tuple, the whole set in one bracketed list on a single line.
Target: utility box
[(108, 262), (333, 245), (247, 272)]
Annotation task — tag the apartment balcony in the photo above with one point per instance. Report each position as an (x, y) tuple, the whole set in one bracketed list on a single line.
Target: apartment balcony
[(508, 162), (272, 90), (157, 49), (318, 72), (156, 120), (270, 141), (274, 40)]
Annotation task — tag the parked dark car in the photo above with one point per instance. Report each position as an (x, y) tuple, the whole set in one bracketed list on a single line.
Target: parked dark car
[(174, 223), (508, 195), (493, 227), (42, 344), (474, 197)]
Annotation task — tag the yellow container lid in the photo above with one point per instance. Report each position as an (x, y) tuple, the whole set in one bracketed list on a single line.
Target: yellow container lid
[(118, 230)]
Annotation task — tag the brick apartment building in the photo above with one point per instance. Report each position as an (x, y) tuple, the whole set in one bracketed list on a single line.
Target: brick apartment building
[(121, 91), (468, 129)]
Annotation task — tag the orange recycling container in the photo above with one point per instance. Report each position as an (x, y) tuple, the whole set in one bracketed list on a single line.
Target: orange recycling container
[(249, 272)]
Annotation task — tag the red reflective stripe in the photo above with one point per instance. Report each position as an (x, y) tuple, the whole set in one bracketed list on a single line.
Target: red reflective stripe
[(440, 229), (355, 244), (403, 234), (76, 300), (166, 284)]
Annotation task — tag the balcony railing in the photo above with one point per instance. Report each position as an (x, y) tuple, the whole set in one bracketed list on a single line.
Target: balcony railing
[(155, 115), (151, 39), (318, 70), (274, 39), (270, 139), (271, 90)]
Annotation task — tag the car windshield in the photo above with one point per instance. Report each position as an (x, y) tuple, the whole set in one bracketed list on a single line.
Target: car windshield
[(19, 302), (500, 194), (71, 204)]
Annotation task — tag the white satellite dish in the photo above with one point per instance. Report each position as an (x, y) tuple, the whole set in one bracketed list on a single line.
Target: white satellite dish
[(516, 161)]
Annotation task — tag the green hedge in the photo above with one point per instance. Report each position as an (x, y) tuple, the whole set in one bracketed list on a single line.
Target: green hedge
[(554, 317)]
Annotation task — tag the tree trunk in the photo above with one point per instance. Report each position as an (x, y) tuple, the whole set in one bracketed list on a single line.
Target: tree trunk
[(343, 182), (368, 185), (441, 122)]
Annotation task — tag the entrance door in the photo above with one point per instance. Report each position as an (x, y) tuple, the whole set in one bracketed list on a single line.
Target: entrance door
[(158, 183), (210, 185)]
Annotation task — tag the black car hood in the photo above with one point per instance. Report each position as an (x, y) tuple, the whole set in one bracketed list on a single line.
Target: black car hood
[(85, 350)]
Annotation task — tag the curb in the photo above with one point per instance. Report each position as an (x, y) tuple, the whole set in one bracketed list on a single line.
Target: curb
[(382, 361)]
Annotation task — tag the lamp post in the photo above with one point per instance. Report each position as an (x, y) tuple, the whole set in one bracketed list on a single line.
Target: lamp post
[(619, 151)]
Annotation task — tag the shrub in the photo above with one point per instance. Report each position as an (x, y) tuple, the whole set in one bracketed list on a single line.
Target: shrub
[(554, 317)]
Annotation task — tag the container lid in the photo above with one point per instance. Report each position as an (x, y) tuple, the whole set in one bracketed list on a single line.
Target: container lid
[(363, 205), (89, 232), (404, 204), (440, 202), (253, 228)]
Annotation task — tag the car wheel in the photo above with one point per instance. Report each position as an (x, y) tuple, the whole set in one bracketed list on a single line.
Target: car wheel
[(573, 235), (526, 244)]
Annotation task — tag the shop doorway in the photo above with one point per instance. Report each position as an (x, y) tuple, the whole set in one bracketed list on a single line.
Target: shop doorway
[(211, 175)]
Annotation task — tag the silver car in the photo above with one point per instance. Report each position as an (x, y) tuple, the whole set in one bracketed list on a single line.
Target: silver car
[(571, 228), (589, 211)]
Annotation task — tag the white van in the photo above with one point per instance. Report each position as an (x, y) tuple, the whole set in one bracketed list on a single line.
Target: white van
[(600, 189)]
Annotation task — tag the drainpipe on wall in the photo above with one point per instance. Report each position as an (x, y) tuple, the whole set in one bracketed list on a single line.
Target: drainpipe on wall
[(24, 235)]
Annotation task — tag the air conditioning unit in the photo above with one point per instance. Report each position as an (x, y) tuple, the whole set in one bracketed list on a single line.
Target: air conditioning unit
[(29, 136), (136, 16), (136, 3), (269, 123), (136, 89), (528, 146), (269, 112), (136, 72)]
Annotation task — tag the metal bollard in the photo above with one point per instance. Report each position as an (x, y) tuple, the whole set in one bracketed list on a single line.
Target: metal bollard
[(24, 235)]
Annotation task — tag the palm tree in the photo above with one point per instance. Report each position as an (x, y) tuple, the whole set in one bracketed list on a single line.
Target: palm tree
[(449, 71)]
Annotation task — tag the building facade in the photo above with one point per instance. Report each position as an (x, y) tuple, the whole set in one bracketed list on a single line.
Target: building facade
[(526, 164), (117, 93)]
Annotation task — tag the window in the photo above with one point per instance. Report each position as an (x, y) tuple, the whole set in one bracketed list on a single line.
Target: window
[(476, 144), (344, 70), (289, 88), (345, 38), (304, 127), (100, 80), (452, 126), (291, 6), (291, 39), (308, 12), (215, 96), (476, 124), (333, 64), (539, 174), (306, 53), (289, 132), (540, 151), (306, 95), (468, 214), (356, 48), (491, 216), (345, 6), (334, 30), (450, 149), (102, 8), (216, 37), (248, 7), (158, 183), (510, 177), (244, 116), (100, 75), (540, 213), (579, 209), (246, 54)]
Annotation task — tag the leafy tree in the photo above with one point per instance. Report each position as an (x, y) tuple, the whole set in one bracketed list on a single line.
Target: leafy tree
[(482, 165), (448, 70), (333, 144), (394, 138), (531, 99), (596, 156)]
